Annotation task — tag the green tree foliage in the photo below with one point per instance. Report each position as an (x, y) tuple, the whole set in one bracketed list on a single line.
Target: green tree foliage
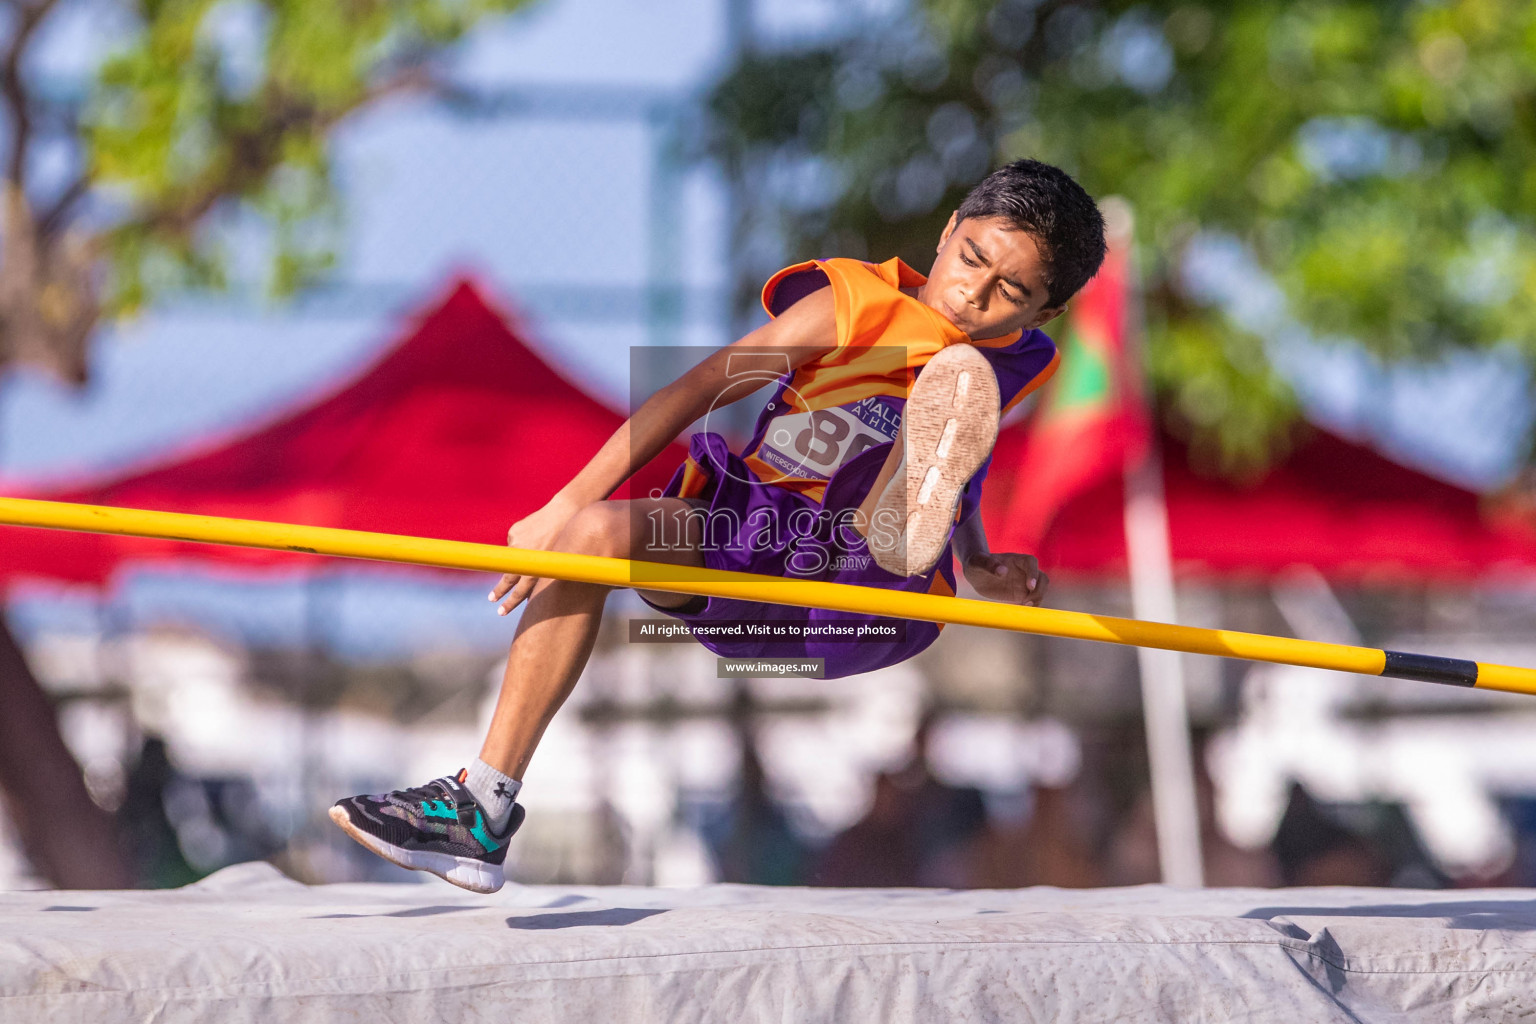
[(1376, 159), (202, 111)]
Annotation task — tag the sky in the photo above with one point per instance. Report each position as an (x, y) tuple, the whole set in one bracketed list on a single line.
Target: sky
[(552, 211)]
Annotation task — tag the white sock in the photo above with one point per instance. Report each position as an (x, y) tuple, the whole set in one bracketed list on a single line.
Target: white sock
[(493, 791)]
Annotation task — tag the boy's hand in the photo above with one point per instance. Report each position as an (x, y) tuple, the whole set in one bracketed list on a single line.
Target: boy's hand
[(1016, 579), (536, 532)]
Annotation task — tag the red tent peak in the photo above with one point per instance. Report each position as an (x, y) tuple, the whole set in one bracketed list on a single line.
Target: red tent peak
[(467, 338), (457, 430)]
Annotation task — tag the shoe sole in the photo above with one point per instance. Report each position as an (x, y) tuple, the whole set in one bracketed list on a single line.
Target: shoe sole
[(950, 426), (464, 872)]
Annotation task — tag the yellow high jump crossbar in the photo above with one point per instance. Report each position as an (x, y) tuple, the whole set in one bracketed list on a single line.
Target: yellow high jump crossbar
[(619, 572)]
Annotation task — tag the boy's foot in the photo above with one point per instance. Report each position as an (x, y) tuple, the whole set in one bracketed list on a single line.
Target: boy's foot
[(948, 429), (437, 827)]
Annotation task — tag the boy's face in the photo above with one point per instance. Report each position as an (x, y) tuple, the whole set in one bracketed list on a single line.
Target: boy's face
[(988, 279)]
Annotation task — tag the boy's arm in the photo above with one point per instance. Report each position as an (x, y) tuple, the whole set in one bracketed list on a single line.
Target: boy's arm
[(802, 332), (1014, 578), (970, 538)]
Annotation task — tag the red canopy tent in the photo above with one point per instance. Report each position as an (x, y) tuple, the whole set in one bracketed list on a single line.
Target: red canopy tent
[(1339, 507), (456, 432)]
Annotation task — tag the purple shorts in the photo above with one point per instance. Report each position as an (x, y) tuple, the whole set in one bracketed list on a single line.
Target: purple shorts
[(810, 546)]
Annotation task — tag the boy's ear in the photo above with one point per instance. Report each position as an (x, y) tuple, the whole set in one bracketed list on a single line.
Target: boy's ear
[(949, 229), (1046, 315)]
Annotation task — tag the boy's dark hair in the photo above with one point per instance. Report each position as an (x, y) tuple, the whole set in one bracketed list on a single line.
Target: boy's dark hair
[(1063, 220)]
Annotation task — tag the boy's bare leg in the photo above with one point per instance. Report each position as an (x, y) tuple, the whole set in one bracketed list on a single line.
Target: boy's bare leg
[(560, 620), (459, 828)]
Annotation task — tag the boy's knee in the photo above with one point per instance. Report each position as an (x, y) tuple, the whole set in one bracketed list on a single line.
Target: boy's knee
[(595, 529)]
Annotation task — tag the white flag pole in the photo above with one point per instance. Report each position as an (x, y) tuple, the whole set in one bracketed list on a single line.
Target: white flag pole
[(1174, 804)]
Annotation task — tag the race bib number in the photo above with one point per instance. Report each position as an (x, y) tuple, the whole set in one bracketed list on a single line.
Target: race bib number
[(813, 445)]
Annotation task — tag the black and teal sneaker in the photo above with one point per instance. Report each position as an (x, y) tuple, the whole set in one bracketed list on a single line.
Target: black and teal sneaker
[(437, 827)]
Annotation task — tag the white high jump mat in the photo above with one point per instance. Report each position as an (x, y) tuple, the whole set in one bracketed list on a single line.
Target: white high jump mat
[(248, 944)]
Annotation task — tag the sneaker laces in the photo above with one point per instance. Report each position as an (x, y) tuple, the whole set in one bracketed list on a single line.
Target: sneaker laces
[(434, 790)]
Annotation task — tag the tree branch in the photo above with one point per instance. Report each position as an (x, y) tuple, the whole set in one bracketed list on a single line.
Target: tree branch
[(14, 91), (53, 218), (257, 151)]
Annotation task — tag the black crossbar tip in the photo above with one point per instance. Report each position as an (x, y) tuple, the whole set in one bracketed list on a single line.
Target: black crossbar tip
[(1428, 668)]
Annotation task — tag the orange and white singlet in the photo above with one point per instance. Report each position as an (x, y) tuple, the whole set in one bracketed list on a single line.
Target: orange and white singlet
[(852, 398)]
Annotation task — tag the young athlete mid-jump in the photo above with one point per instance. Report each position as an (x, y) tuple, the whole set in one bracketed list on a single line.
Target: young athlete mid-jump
[(865, 467)]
